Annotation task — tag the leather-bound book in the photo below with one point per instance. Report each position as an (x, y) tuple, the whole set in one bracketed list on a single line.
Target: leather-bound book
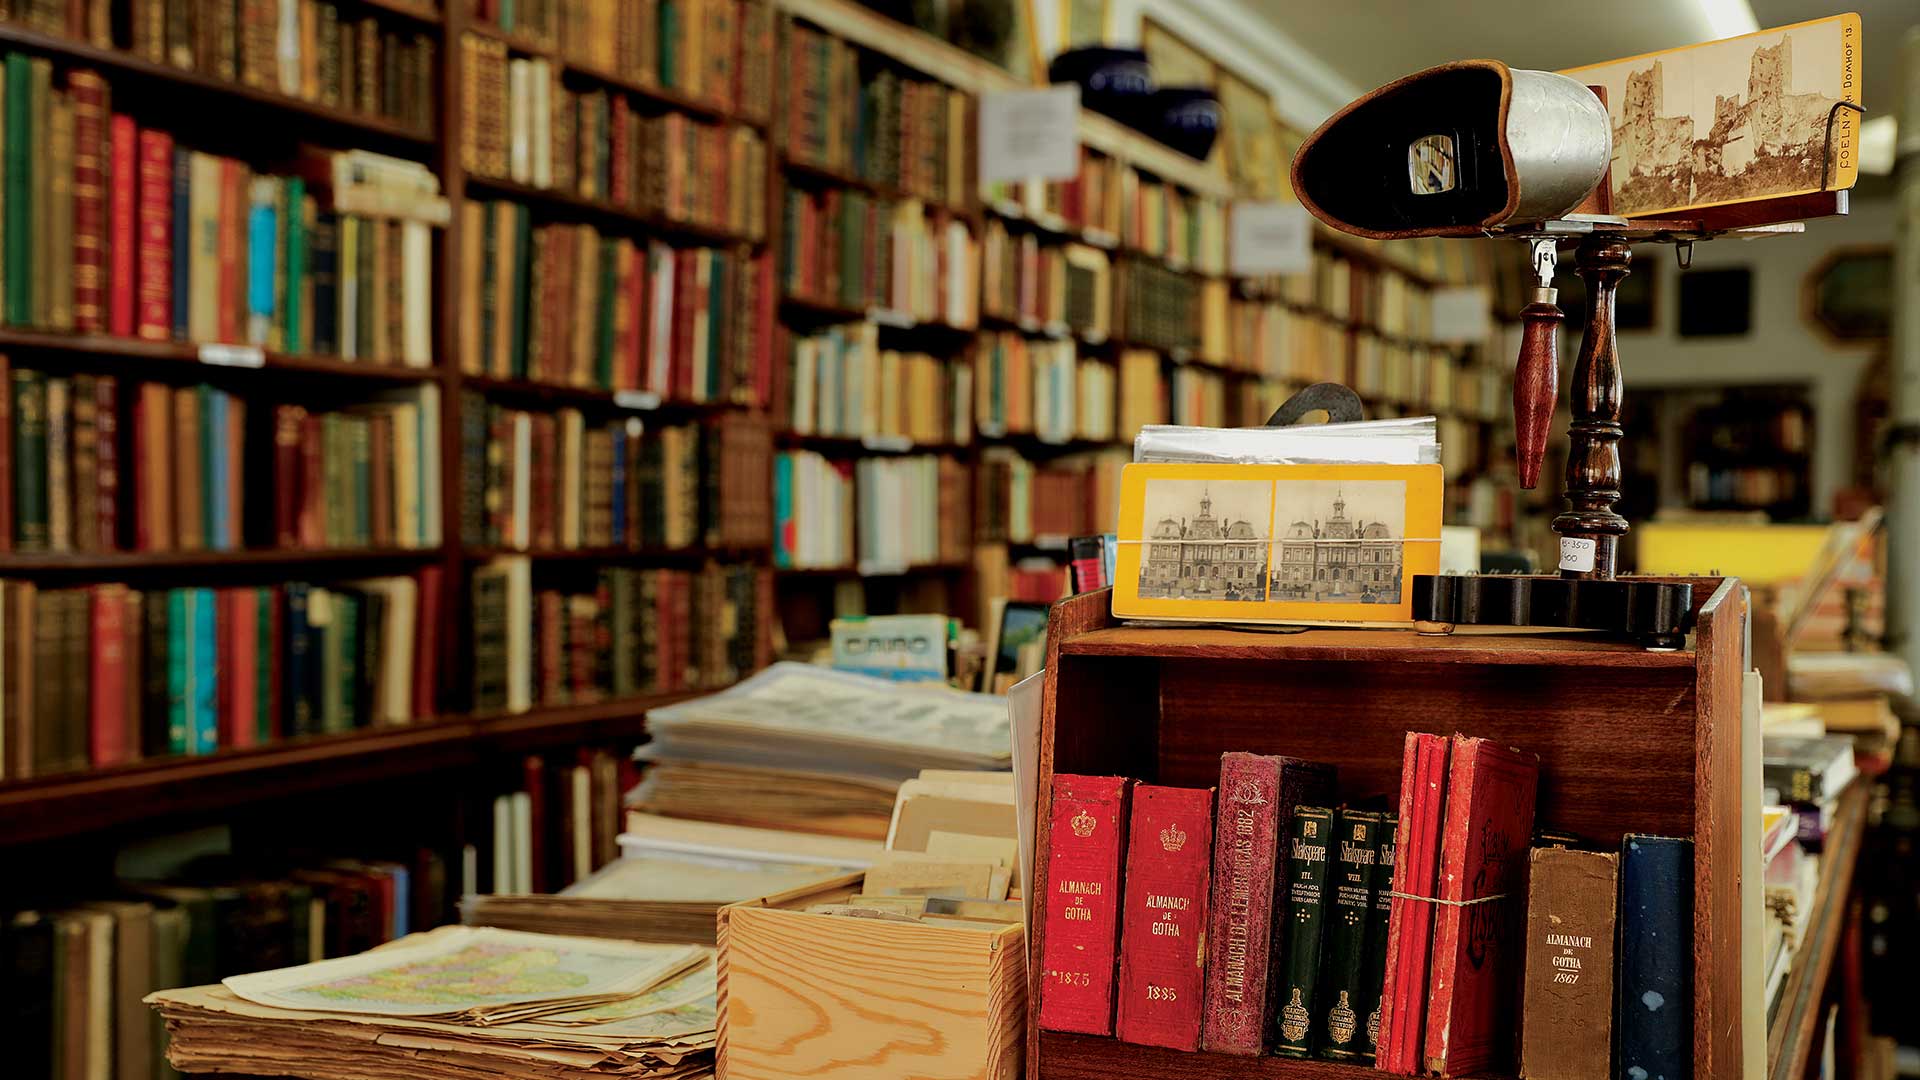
[(1374, 968), (1081, 908), (89, 286), (1566, 1023), (1298, 975), (1403, 995), (1654, 1017), (154, 257), (1257, 797), (1338, 1019), (1164, 917), (1475, 982), (121, 231), (108, 674), (105, 493)]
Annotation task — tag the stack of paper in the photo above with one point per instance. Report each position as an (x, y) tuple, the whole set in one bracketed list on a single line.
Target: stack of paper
[(664, 897), (456, 1003), (1405, 441)]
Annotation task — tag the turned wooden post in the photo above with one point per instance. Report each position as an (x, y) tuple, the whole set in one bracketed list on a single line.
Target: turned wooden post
[(1589, 529)]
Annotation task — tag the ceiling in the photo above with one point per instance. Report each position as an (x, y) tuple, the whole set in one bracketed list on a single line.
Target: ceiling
[(1371, 42)]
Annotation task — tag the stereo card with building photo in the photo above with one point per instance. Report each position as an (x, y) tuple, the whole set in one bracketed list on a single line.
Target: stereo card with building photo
[(1275, 543)]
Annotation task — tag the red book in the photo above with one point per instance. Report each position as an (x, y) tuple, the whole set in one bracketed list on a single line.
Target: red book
[(533, 774), (240, 653), (89, 200), (108, 677), (120, 228), (1086, 838), (230, 274), (1257, 796), (288, 425), (106, 475), (1472, 1008), (1403, 994), (313, 511), (552, 666), (545, 511), (620, 176), (155, 307), (426, 664), (1163, 929), (223, 630)]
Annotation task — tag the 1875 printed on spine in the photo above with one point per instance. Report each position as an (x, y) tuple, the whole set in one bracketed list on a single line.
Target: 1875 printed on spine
[(1087, 840)]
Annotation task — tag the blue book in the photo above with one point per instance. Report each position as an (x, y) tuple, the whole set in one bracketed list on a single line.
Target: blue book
[(263, 254), (301, 705), (215, 461), (179, 670), (620, 443), (1654, 1025), (202, 729), (717, 322), (182, 240)]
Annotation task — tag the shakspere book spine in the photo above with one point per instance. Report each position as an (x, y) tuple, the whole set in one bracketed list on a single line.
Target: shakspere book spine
[(1566, 1025), (1306, 884), (1257, 796), (1403, 1000), (1164, 917), (1475, 980), (1654, 997), (1374, 968), (1338, 1020), (1087, 840)]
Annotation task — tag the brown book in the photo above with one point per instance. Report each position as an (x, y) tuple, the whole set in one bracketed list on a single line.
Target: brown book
[(132, 962), (89, 199), (59, 211), (153, 468), (84, 464), (1566, 1030), (6, 454), (48, 626), (60, 464), (187, 472), (235, 479), (22, 644)]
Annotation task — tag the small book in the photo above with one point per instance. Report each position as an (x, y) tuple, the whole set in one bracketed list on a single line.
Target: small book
[(1566, 1023), (1349, 900), (1256, 800), (1306, 911), (1087, 840), (1164, 917), (1373, 970), (1403, 995), (1474, 987), (1654, 1010)]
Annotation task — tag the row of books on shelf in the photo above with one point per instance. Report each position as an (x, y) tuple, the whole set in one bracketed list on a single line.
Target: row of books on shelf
[(851, 112), (100, 464), (598, 145), (554, 481), (1281, 342), (621, 632), (306, 50), (1755, 486), (567, 304), (1044, 286), (1110, 203), (880, 514), (1418, 940), (74, 975), (841, 383), (719, 52), (1020, 501), (111, 228), (558, 822), (1161, 309), (851, 250), (1043, 388), (102, 675)]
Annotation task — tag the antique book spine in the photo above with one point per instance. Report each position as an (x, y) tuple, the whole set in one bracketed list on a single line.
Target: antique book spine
[(1306, 884), (1081, 909), (108, 671), (126, 178), (7, 451), (1164, 917), (59, 459), (1475, 979), (156, 719), (1566, 1030), (107, 468), (1403, 996), (1337, 1017), (56, 290), (1374, 968), (30, 531), (83, 481), (89, 200), (1654, 998), (20, 119)]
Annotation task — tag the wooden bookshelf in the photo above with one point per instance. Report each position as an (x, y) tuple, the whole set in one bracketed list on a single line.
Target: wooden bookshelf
[(611, 213), (1161, 705), (334, 560), (183, 360), (1792, 1038), (652, 93)]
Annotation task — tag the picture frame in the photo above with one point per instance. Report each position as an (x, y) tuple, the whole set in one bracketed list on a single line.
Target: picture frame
[(1848, 296), (1175, 62), (1085, 23), (1255, 166)]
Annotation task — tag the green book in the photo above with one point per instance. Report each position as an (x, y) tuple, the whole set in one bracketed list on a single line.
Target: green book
[(360, 448), (29, 460), (323, 615), (489, 270), (295, 245), (19, 204), (40, 183), (609, 298), (344, 643), (522, 280), (1349, 908), (333, 468), (367, 281), (169, 950), (1373, 970), (718, 322), (669, 44), (179, 670), (265, 597), (1306, 915), (619, 587)]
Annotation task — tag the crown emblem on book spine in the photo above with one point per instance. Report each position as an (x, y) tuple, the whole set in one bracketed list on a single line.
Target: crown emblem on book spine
[(1293, 1019), (1373, 1028), (1083, 824), (1341, 1021), (1251, 794), (1172, 839)]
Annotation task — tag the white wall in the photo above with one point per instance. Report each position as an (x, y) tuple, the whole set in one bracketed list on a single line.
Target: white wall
[(1782, 347)]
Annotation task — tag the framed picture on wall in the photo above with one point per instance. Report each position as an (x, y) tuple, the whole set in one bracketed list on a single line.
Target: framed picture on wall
[(1084, 23), (1849, 296), (1252, 141), (1716, 303)]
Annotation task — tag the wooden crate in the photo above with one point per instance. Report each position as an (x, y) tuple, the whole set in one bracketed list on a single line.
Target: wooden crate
[(804, 995), (1629, 741)]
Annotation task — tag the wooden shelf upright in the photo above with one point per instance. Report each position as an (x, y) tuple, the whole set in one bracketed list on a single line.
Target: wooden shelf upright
[(1629, 742)]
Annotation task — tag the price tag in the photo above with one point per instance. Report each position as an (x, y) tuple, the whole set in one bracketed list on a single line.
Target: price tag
[(1050, 542), (248, 356), (1100, 238), (887, 444), (890, 317), (636, 399), (1576, 553), (1270, 238), (1030, 133)]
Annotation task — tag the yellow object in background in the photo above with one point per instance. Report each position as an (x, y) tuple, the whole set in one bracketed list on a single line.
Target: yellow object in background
[(1756, 554)]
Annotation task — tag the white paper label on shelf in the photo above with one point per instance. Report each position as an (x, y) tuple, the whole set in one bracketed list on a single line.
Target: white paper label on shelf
[(1576, 553), (897, 444), (1058, 331), (1461, 314), (890, 317), (1050, 541), (1008, 208), (1100, 238), (881, 569), (1030, 133), (1270, 238), (233, 355), (1094, 337), (636, 399)]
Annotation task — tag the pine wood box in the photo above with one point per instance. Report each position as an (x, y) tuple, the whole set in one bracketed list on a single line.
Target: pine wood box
[(806, 995)]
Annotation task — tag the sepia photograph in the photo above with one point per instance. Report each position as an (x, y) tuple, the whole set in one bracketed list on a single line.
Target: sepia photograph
[(1206, 540), (1339, 542)]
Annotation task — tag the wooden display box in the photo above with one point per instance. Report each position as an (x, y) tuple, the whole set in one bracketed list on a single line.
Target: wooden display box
[(863, 999), (1630, 741)]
